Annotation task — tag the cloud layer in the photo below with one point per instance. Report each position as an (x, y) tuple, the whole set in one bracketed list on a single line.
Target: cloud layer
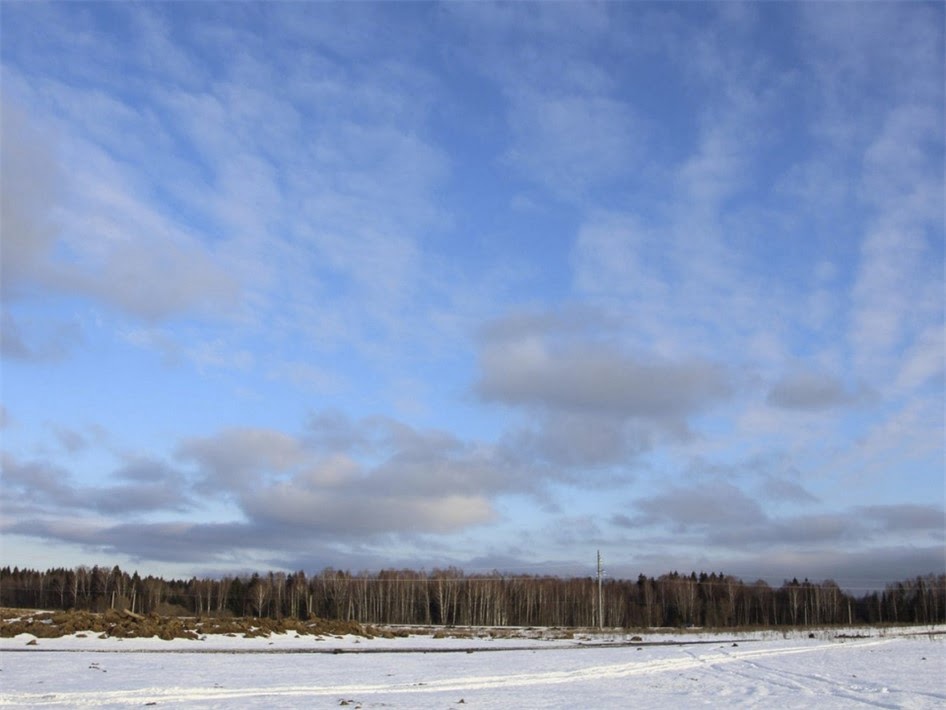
[(474, 284)]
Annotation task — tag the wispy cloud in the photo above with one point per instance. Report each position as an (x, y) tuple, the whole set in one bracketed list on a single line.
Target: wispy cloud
[(416, 281), (813, 391), (31, 182)]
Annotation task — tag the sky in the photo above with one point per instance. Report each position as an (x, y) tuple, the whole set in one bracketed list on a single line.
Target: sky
[(492, 286)]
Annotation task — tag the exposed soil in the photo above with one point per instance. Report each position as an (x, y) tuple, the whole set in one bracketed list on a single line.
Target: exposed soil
[(123, 624)]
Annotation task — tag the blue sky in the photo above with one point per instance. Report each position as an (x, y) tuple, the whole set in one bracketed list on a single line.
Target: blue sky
[(487, 285)]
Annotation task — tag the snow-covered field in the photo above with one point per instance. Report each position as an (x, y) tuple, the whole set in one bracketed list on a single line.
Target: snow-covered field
[(891, 668)]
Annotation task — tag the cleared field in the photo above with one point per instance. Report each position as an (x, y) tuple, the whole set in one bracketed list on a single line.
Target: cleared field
[(885, 668)]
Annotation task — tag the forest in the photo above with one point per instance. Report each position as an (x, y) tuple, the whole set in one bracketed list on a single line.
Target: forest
[(450, 597)]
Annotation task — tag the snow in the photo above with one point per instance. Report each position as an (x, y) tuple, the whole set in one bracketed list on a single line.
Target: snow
[(902, 668)]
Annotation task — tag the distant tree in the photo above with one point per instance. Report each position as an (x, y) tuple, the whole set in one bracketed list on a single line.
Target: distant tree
[(258, 592)]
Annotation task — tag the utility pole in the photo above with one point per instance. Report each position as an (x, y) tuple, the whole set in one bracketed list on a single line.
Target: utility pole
[(600, 596)]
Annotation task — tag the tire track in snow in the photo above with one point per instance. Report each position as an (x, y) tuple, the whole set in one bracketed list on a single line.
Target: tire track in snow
[(458, 684), (801, 682), (355, 651)]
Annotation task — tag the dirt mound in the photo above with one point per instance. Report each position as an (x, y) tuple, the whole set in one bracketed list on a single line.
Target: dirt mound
[(123, 624)]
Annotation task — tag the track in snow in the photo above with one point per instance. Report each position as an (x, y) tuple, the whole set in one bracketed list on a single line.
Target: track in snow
[(749, 673)]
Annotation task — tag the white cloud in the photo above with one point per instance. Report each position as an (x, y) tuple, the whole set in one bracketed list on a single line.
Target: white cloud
[(545, 370), (39, 342), (307, 375), (358, 511), (719, 505), (618, 256), (31, 182), (299, 212), (729, 518), (812, 391), (237, 459), (327, 201), (899, 286), (925, 360), (43, 488), (111, 243), (584, 401), (573, 144)]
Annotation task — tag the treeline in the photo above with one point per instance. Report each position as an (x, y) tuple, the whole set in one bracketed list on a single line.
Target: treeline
[(450, 597)]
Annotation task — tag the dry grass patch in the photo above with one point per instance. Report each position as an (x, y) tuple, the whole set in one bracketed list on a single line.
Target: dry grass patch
[(123, 624)]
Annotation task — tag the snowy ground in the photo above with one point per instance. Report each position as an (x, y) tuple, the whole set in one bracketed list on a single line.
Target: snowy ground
[(902, 668)]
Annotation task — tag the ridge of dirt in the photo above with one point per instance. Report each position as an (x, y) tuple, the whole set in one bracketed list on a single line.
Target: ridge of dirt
[(124, 624)]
